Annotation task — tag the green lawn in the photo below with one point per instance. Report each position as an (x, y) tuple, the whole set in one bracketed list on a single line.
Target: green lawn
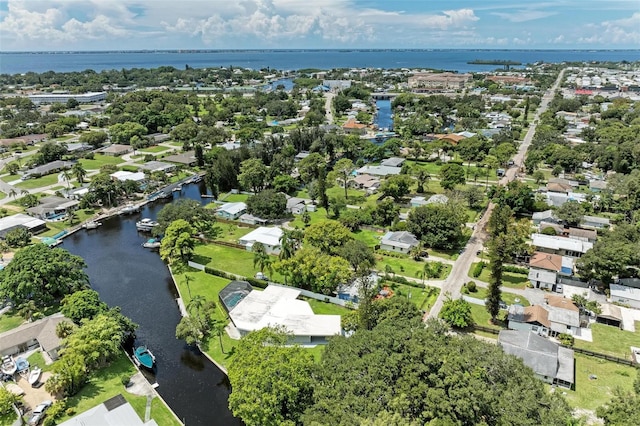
[(481, 317), (236, 261), (318, 216), (37, 360), (590, 394), (611, 340), (154, 149), (38, 182), (106, 383), (55, 227), (508, 298), (100, 160), (406, 266), (235, 198), (370, 238), (232, 233), (423, 298), (323, 308), (509, 279), (10, 178), (9, 321)]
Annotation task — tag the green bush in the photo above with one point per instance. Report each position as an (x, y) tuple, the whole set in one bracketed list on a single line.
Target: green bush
[(477, 270), (125, 380), (471, 286), (515, 269), (566, 339)]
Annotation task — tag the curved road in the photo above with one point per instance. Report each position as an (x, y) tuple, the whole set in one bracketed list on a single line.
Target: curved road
[(459, 273)]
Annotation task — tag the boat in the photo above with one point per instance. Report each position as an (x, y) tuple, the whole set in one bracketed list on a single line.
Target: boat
[(34, 376), (91, 225), (146, 224), (8, 365), (152, 243), (22, 366), (143, 356), (128, 209), (177, 188)]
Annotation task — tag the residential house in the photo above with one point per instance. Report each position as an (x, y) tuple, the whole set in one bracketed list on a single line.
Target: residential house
[(353, 127), (418, 201), (557, 199), (20, 220), (438, 199), (564, 315), (46, 169), (625, 295), (594, 222), (545, 216), (351, 291), (381, 171), (400, 241), (268, 236), (589, 235), (40, 333), (116, 150), (279, 306), (392, 162), (231, 211), (53, 208), (367, 182), (610, 315), (559, 187), (301, 156), (296, 205), (530, 318), (545, 268), (158, 166), (562, 246), (252, 220), (540, 278), (550, 362), (597, 185), (123, 175), (115, 411), (187, 158)]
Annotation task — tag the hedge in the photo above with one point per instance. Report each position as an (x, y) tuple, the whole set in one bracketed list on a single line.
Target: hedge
[(515, 269), (477, 270), (217, 272)]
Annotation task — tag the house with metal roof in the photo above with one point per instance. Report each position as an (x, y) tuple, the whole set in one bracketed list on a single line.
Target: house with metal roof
[(20, 220), (231, 211), (562, 246), (550, 362), (624, 295), (45, 169), (379, 170), (279, 306), (269, 237), (400, 241), (392, 162), (53, 208)]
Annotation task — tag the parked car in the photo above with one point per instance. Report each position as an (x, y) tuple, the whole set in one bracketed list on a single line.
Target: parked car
[(38, 413), (261, 276)]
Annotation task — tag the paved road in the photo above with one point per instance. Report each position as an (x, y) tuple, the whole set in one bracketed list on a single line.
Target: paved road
[(459, 273), (327, 106)]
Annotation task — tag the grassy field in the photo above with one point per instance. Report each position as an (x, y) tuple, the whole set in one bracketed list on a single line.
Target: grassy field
[(9, 320), (235, 198), (370, 238), (10, 178), (611, 340), (106, 383), (481, 317), (406, 266), (423, 298), (100, 160), (232, 233), (508, 298), (154, 149), (236, 261), (37, 360), (38, 182), (55, 227), (590, 394), (509, 279)]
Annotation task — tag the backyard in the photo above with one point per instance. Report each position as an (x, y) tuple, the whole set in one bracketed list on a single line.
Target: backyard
[(99, 160), (509, 279), (508, 298), (611, 340), (47, 180), (229, 259)]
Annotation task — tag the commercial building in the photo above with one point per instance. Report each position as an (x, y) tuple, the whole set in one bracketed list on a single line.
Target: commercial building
[(84, 98), (429, 81)]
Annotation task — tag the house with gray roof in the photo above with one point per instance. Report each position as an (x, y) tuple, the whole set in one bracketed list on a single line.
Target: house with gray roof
[(231, 211), (550, 362), (379, 170), (53, 208), (20, 220), (625, 295), (46, 169), (115, 411), (296, 205), (595, 222), (400, 241), (392, 162), (40, 333), (157, 166)]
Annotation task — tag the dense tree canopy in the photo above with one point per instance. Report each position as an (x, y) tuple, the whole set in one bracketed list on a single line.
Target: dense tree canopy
[(438, 225), (200, 218), (268, 204), (82, 304), (43, 275)]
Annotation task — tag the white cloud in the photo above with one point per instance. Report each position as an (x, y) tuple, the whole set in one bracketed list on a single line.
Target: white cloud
[(625, 31), (524, 15)]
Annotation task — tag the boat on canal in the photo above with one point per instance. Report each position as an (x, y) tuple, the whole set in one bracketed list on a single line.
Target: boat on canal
[(152, 243), (143, 357), (146, 224), (129, 209), (8, 365), (91, 225)]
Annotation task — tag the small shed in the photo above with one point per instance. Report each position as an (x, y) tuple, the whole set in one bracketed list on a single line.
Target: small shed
[(610, 315)]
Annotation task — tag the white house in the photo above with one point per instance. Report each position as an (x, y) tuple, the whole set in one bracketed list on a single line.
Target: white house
[(268, 236), (401, 241), (562, 246), (379, 170), (123, 175), (279, 306), (625, 295), (296, 205), (231, 211)]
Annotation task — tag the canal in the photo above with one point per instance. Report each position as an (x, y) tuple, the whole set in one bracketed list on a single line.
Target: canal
[(384, 118), (134, 278)]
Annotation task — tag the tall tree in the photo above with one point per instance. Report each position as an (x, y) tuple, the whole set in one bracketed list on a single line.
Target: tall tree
[(329, 236), (253, 174), (342, 172), (79, 172), (451, 174), (178, 242)]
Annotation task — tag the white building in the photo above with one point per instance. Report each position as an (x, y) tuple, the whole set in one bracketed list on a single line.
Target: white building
[(268, 236), (279, 306), (123, 175), (401, 241), (84, 98), (231, 211), (20, 220), (625, 295), (562, 246)]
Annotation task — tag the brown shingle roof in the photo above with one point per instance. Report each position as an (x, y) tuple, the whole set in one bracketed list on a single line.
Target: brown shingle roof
[(353, 124), (537, 314), (550, 262), (560, 302)]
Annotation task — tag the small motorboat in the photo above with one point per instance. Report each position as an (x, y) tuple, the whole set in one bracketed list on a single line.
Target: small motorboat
[(152, 243), (177, 188), (8, 365), (143, 357), (146, 224), (128, 209), (22, 365), (91, 225), (34, 376)]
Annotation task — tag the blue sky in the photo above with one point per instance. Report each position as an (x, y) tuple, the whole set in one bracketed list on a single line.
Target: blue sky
[(282, 24)]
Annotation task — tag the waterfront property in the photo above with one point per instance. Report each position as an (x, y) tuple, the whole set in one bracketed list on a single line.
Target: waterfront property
[(114, 411), (269, 237), (40, 333), (53, 208), (549, 361), (20, 220), (231, 211), (279, 306)]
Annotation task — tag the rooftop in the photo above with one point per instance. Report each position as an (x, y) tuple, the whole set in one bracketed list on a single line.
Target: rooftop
[(232, 208)]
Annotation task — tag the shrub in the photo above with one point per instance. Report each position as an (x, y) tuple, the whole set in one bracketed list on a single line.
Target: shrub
[(89, 155), (548, 230), (566, 339), (471, 286), (515, 269), (477, 270), (125, 380), (70, 411), (457, 313)]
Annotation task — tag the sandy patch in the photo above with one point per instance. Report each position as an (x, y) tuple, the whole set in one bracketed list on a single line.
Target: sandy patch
[(34, 396)]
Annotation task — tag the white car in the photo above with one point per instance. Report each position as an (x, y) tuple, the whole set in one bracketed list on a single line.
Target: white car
[(38, 413), (261, 276)]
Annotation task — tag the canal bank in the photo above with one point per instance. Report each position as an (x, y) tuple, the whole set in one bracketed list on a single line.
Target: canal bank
[(127, 275)]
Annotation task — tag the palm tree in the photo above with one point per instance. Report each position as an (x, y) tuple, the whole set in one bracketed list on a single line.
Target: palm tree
[(260, 256), (289, 243), (13, 193), (79, 172), (66, 176), (219, 326), (196, 303), (187, 280)]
